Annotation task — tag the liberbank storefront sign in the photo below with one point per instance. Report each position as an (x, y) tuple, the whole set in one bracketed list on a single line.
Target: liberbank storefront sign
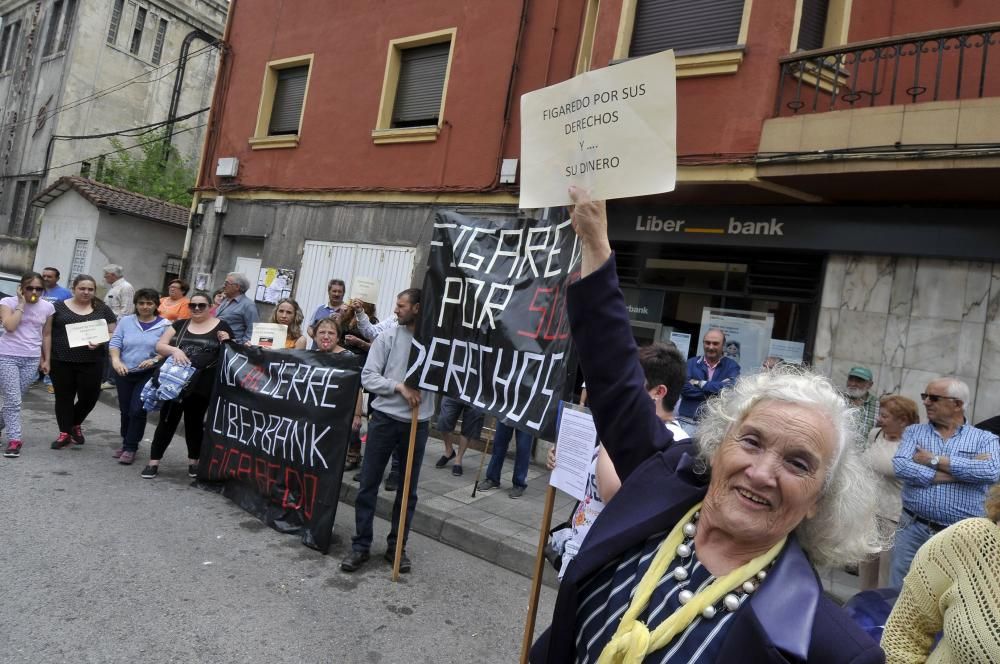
[(939, 232)]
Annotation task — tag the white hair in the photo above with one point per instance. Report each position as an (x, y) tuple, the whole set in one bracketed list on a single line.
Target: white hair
[(957, 389), (114, 269), (844, 528), (240, 280)]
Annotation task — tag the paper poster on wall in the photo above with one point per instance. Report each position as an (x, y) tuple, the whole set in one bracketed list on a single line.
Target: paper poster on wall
[(365, 289), (748, 334), (791, 352), (274, 283), (682, 341), (202, 281), (612, 131)]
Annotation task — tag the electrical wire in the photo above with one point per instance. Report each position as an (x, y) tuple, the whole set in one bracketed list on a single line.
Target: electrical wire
[(129, 132)]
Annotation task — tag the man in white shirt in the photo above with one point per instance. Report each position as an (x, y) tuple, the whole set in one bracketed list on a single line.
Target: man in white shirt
[(120, 294)]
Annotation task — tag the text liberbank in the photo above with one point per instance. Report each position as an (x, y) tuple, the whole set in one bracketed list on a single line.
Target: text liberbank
[(652, 223)]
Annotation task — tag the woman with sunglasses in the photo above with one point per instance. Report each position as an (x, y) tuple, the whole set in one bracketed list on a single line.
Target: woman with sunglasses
[(193, 342), (77, 371), (24, 350)]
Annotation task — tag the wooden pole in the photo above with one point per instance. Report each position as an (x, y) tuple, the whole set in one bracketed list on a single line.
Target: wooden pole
[(536, 582), (401, 530)]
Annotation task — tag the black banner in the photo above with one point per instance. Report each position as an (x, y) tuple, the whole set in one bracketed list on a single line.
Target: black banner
[(493, 330), (276, 435)]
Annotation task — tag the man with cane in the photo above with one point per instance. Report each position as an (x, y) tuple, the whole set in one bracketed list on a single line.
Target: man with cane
[(394, 408)]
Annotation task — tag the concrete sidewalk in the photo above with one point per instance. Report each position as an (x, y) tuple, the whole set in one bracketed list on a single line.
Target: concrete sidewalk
[(491, 525)]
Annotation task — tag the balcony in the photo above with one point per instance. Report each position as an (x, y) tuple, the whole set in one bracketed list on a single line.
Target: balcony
[(907, 118)]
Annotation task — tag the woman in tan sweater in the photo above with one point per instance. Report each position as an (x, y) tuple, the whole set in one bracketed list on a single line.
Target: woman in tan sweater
[(952, 586)]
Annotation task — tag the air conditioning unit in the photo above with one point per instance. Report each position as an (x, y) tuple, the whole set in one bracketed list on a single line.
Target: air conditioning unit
[(228, 167)]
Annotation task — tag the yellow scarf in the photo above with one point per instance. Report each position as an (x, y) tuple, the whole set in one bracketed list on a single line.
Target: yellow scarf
[(632, 641)]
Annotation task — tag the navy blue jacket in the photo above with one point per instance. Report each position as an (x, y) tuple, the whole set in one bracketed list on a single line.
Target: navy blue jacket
[(788, 620), (693, 396)]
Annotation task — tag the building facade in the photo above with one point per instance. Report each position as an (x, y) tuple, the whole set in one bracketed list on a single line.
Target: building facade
[(835, 160), (73, 72)]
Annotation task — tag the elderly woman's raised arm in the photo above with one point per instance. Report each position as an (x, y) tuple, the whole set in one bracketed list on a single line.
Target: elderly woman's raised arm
[(623, 410)]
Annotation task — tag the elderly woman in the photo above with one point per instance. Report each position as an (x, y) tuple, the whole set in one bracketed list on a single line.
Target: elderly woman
[(175, 305), (951, 587), (894, 415), (237, 310), (687, 565)]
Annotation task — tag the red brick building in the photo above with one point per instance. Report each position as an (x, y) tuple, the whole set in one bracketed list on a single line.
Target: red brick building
[(864, 136)]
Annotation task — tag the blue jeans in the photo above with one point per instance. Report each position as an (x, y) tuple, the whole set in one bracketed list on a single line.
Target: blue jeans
[(386, 435), (909, 538), (133, 415), (522, 455)]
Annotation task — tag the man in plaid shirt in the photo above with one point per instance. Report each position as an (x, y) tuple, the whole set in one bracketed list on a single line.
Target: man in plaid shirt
[(858, 393), (947, 467)]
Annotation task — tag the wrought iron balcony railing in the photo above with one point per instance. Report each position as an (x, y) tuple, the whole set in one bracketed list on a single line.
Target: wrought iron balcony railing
[(931, 66)]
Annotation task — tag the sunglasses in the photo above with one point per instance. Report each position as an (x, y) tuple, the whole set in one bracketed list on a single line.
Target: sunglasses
[(934, 398), (198, 306), (34, 289)]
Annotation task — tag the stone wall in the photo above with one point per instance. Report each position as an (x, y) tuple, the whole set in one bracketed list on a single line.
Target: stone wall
[(911, 320)]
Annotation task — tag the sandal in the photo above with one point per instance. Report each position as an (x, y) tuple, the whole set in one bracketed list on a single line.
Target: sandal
[(443, 461)]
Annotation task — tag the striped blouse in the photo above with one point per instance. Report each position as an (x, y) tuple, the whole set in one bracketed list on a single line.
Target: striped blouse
[(605, 598)]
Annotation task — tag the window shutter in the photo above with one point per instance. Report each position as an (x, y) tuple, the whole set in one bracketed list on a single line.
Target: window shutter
[(116, 19), (812, 27), (289, 93), (421, 84), (683, 24)]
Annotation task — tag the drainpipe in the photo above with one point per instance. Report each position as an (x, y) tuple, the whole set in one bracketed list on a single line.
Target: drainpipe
[(175, 95)]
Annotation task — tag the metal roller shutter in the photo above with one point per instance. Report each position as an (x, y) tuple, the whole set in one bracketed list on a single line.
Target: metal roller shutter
[(421, 83), (288, 95), (681, 24), (813, 24)]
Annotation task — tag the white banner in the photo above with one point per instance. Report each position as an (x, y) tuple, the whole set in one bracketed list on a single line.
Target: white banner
[(612, 131)]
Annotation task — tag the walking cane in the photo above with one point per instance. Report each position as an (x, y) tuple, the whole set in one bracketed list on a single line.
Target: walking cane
[(401, 531), (482, 460), (536, 582)]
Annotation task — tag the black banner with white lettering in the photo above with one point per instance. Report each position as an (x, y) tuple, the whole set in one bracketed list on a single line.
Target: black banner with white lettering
[(277, 432), (493, 330)]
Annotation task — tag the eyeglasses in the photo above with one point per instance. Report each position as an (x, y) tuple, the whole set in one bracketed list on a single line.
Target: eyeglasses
[(197, 306), (34, 289), (934, 398), (229, 283)]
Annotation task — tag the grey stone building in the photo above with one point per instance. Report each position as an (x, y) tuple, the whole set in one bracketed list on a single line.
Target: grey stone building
[(76, 68)]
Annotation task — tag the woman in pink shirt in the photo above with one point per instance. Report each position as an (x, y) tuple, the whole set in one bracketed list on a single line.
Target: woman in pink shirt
[(24, 349)]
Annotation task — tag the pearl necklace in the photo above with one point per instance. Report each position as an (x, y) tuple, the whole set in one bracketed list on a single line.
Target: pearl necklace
[(731, 601)]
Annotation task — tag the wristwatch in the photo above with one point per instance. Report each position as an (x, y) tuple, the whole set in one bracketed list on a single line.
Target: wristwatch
[(935, 460)]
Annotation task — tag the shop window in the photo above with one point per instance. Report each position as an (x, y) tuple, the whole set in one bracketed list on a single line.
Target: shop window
[(8, 44), (716, 29), (812, 24), (116, 20), (414, 88), (282, 103), (161, 35), (137, 29)]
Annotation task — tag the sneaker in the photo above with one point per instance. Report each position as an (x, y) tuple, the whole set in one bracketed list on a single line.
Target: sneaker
[(404, 562), (353, 561), (51, 389), (13, 449), (392, 482), (126, 458), (192, 470), (487, 485), (62, 441), (517, 491), (77, 435), (117, 454), (149, 472)]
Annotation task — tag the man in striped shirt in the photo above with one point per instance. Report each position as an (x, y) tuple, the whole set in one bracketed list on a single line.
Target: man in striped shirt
[(947, 467)]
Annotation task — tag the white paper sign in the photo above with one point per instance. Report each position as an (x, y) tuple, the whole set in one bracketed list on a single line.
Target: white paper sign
[(789, 351), (365, 289), (612, 131), (575, 445), (89, 332), (683, 342), (269, 335)]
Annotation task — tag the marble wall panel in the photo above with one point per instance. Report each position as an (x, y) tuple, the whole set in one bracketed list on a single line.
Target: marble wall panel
[(977, 292), (989, 367), (889, 380), (986, 400), (932, 345), (826, 330), (868, 283), (860, 335), (993, 306), (901, 297), (939, 289), (970, 349), (894, 343), (833, 281)]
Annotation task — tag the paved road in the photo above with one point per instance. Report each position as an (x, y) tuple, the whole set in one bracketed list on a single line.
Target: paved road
[(100, 565)]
